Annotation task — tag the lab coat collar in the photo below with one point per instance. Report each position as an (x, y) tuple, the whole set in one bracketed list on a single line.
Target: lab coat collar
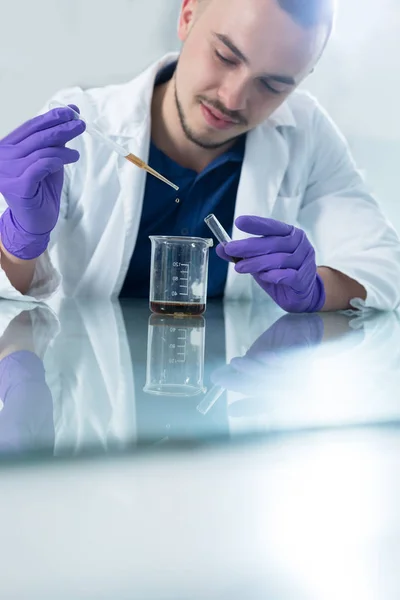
[(282, 117), (128, 107)]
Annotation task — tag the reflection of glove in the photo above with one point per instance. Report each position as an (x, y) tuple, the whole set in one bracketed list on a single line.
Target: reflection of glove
[(282, 261), (32, 160), (269, 353), (26, 420)]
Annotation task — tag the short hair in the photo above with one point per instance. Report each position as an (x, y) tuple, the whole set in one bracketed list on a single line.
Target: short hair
[(309, 13)]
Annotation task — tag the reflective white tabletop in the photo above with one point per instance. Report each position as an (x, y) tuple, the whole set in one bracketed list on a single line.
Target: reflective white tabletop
[(89, 377), (247, 454)]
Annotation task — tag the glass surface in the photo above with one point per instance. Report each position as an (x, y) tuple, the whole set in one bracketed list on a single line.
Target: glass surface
[(105, 377), (277, 479), (179, 275)]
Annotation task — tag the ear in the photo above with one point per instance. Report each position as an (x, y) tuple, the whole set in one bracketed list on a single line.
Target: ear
[(186, 18)]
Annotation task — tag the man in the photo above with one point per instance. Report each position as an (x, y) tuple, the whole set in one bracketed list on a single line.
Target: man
[(225, 123)]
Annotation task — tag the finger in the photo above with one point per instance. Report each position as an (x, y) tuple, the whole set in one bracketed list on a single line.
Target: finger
[(50, 119), (254, 366), (277, 276), (258, 246), (75, 107), (233, 381), (249, 407), (296, 280), (269, 262), (290, 331), (66, 155), (16, 168), (220, 250), (34, 175), (222, 376), (261, 226), (56, 136)]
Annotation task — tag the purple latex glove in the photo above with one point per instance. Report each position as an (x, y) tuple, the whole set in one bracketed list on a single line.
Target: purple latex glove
[(282, 261), (26, 421), (32, 160), (285, 346)]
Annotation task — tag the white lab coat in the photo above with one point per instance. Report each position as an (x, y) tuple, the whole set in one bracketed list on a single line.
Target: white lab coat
[(296, 169)]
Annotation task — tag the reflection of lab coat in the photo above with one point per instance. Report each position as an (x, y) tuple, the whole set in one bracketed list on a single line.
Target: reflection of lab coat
[(296, 167), (90, 375), (89, 371), (89, 367)]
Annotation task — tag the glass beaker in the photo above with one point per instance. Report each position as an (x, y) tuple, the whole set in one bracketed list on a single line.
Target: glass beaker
[(175, 356), (179, 274)]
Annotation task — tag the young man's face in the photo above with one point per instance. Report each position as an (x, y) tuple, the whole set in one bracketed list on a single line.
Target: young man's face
[(240, 60)]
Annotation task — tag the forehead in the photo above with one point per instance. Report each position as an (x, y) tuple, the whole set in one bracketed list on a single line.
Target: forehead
[(267, 35)]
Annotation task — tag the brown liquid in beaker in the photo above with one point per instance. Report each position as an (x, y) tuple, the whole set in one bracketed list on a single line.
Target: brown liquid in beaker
[(178, 308)]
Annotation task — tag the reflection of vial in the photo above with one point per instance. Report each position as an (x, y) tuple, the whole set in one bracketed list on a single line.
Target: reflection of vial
[(175, 356)]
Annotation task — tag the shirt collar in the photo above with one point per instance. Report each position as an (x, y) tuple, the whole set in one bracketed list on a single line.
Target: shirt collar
[(165, 73), (236, 152)]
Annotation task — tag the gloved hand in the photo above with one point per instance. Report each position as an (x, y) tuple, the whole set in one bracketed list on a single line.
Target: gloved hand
[(32, 160), (282, 261), (26, 420), (285, 347)]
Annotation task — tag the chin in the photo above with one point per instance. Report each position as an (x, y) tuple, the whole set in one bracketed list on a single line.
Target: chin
[(212, 141)]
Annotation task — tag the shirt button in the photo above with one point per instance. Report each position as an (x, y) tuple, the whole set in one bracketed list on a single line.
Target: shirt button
[(184, 231)]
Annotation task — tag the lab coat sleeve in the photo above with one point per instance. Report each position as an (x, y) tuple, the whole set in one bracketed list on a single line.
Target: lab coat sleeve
[(46, 280), (345, 223)]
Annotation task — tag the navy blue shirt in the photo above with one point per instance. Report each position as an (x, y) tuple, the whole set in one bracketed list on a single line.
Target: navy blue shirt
[(211, 191)]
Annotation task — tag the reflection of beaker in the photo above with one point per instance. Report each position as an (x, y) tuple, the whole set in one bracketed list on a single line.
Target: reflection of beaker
[(179, 273), (175, 356)]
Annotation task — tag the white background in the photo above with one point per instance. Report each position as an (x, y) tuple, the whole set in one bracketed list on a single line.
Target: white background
[(47, 45)]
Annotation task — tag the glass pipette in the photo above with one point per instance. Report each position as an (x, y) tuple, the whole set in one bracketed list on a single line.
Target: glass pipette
[(96, 133)]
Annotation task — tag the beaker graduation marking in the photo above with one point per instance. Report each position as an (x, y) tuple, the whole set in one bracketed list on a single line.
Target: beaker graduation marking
[(185, 285), (182, 346)]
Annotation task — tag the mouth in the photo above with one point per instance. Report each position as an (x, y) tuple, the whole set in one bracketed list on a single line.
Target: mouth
[(216, 119)]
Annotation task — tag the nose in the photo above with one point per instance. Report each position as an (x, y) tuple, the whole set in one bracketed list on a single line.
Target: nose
[(233, 92)]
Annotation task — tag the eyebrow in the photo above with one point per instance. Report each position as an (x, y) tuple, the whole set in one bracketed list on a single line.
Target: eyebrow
[(235, 50)]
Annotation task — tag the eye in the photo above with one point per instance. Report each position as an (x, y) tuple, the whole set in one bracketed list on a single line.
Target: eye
[(224, 60), (268, 87)]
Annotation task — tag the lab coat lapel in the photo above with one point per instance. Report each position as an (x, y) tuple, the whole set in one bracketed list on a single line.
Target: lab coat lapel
[(132, 181), (105, 328), (136, 127), (119, 236), (127, 121), (264, 166)]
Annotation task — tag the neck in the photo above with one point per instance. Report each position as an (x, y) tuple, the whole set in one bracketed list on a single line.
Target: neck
[(168, 135)]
